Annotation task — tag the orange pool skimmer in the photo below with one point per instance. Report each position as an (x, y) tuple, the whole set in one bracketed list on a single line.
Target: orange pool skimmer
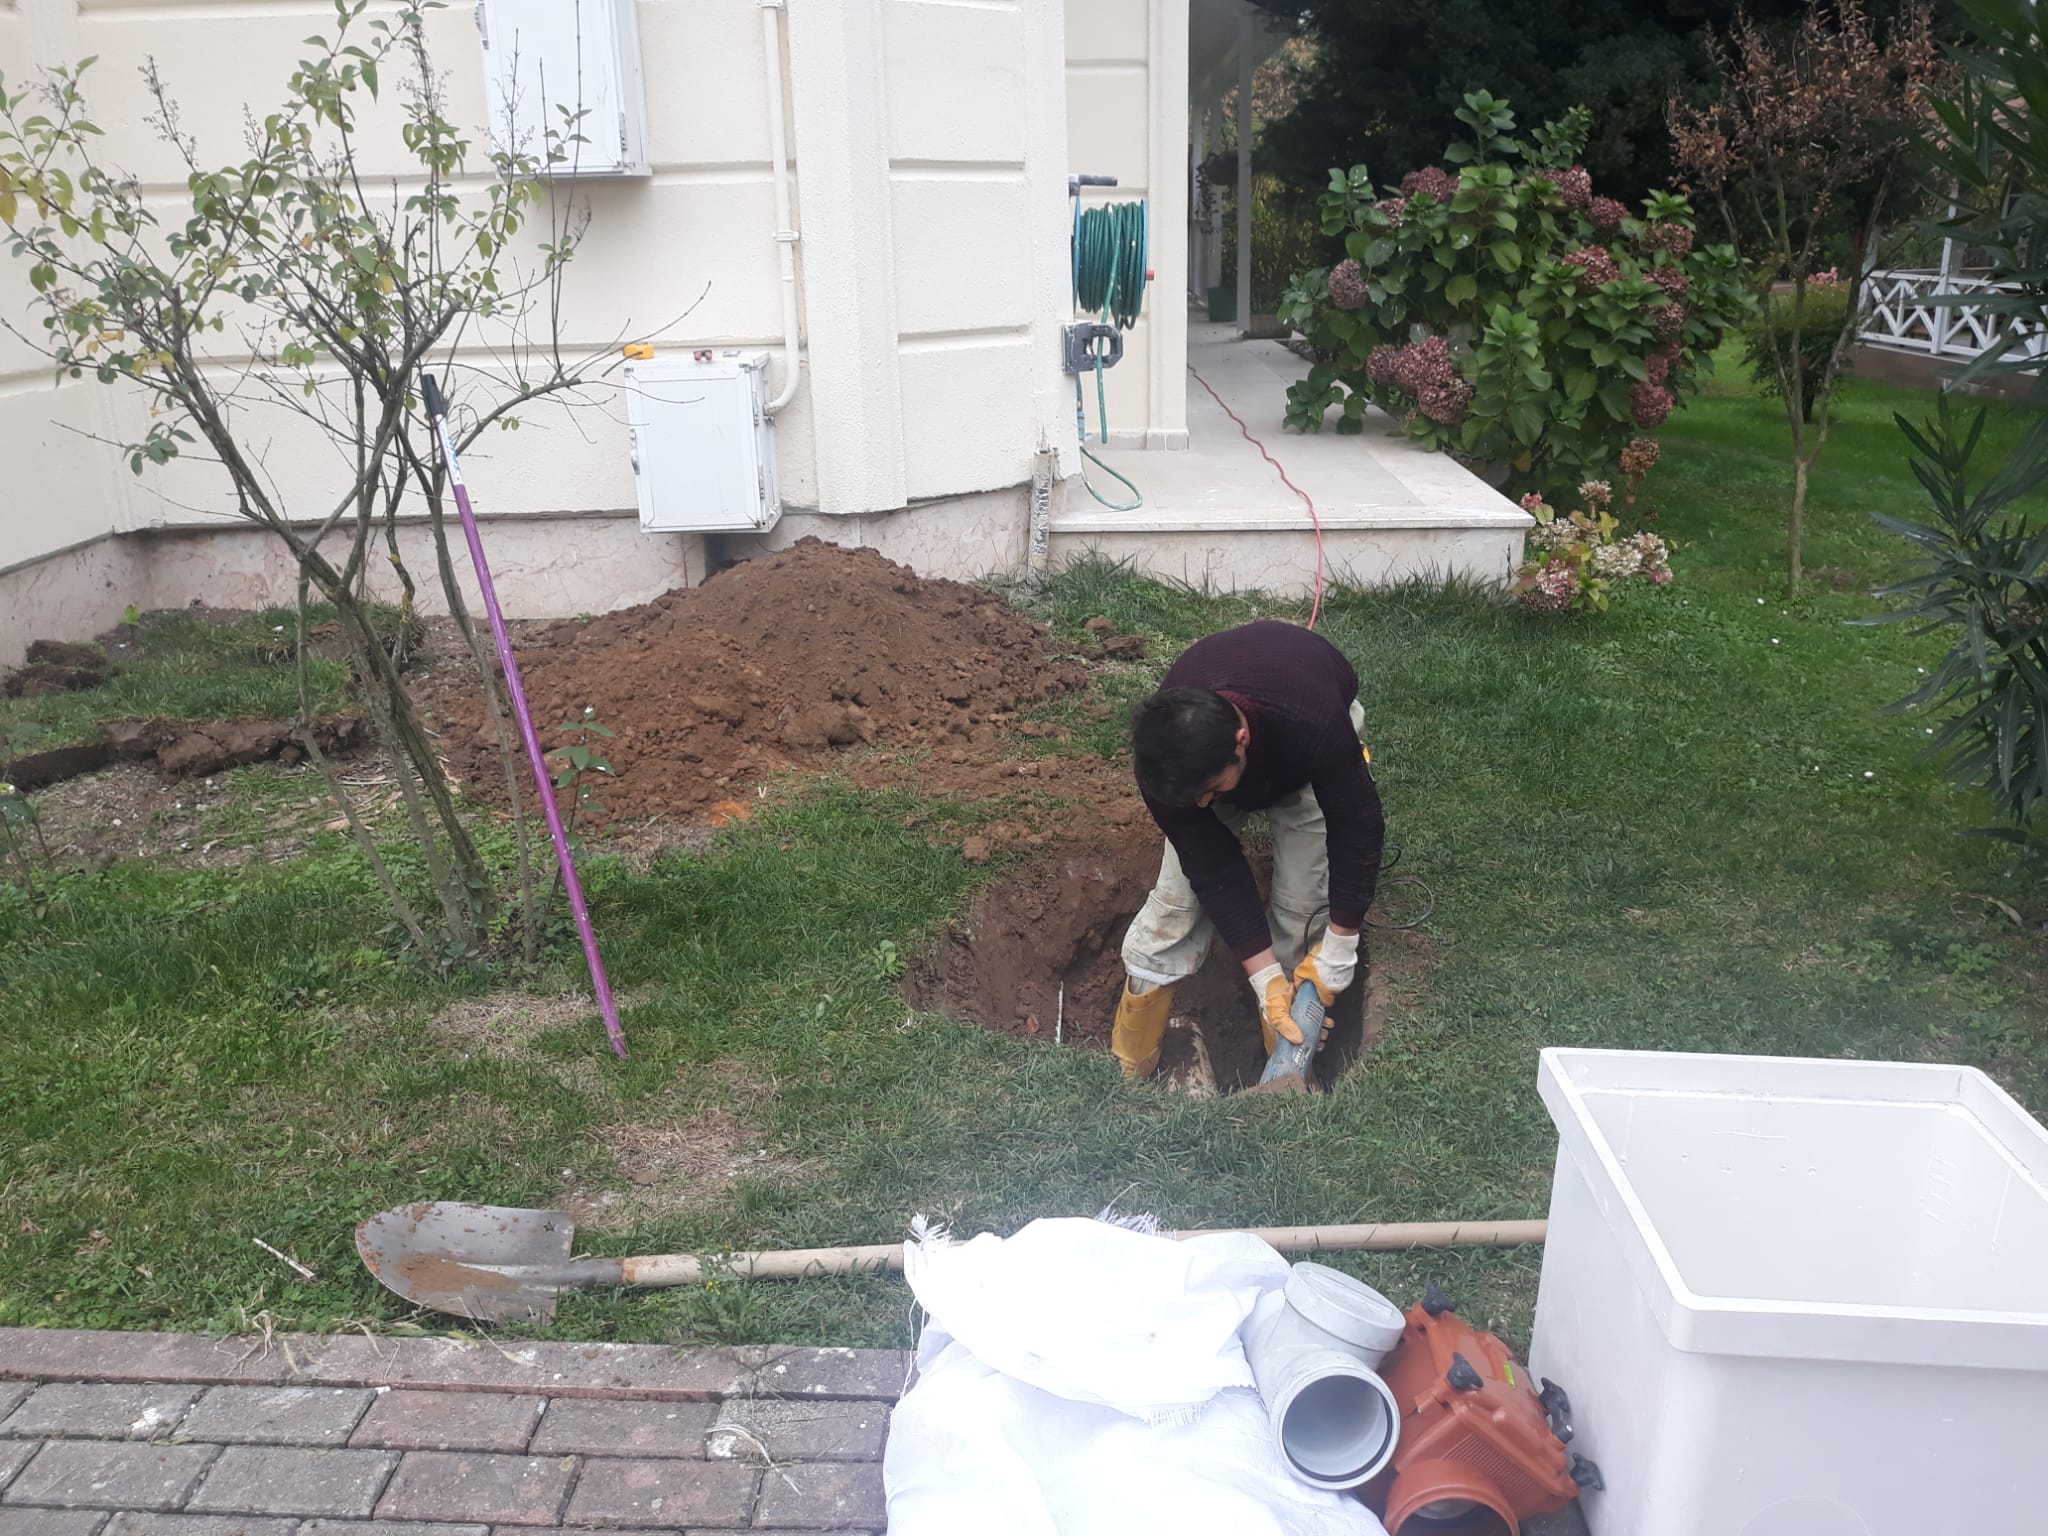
[(1483, 1446)]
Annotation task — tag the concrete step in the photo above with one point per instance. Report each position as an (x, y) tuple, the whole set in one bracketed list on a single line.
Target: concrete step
[(1274, 552), (1219, 515)]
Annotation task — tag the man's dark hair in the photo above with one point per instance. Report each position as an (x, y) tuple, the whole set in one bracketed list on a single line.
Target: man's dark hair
[(1182, 738)]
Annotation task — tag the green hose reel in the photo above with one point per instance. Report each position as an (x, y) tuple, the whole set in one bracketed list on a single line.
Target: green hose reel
[(1110, 278)]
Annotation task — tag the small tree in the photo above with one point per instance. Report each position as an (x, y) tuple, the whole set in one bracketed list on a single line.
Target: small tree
[(298, 290), (1802, 148)]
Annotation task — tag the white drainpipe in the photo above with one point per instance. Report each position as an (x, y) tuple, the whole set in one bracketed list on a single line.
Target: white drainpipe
[(785, 234)]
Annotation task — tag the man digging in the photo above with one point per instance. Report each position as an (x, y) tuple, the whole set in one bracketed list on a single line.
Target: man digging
[(1264, 717)]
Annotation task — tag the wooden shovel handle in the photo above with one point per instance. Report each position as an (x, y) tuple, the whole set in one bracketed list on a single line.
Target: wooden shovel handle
[(801, 1263)]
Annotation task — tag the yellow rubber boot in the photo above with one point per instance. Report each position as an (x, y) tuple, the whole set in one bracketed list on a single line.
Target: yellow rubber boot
[(1140, 1026)]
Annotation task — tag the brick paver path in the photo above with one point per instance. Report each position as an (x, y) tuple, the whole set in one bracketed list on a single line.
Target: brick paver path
[(159, 1434), (174, 1434)]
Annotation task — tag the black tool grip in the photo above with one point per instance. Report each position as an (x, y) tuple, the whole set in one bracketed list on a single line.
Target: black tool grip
[(437, 407)]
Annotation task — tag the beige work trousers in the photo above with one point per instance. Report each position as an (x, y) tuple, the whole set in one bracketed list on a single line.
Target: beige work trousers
[(1169, 938)]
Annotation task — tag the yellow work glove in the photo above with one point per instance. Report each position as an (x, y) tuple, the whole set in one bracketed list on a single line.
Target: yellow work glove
[(1276, 1004), (1330, 967)]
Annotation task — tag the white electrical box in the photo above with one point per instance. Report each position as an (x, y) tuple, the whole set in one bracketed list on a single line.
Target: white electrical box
[(703, 448), (543, 58)]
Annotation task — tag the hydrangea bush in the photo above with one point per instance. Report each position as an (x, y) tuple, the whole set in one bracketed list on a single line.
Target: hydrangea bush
[(1576, 561), (1506, 313)]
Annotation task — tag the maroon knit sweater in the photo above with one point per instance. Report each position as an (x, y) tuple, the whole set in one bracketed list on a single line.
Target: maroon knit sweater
[(1295, 690)]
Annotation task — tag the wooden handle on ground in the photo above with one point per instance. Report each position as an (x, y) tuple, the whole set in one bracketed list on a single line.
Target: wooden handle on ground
[(801, 1263)]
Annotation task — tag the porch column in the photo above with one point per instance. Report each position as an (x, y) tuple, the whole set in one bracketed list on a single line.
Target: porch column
[(838, 98), (1244, 174), (1166, 187)]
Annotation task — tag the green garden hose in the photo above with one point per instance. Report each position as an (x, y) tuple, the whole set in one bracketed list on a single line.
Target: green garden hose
[(1109, 281), (1109, 262)]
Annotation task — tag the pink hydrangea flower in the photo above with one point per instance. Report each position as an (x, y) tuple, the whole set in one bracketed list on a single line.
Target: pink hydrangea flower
[(1675, 238), (1425, 364), (1640, 456), (1606, 214), (1649, 404), (1576, 186), (1552, 588), (1448, 403), (1668, 321), (1674, 282), (1347, 285), (1426, 370), (1433, 181), (1393, 209), (1596, 267)]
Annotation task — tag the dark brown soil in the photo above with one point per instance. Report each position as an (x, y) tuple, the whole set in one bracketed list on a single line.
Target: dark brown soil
[(56, 666), (771, 665), (34, 770), (1058, 923), (187, 749)]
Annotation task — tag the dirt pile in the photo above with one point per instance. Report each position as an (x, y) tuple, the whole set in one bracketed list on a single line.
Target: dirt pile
[(186, 748), (768, 666), (55, 666), (1038, 954)]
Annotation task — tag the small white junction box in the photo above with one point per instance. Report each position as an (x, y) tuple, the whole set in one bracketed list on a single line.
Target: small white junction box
[(703, 448)]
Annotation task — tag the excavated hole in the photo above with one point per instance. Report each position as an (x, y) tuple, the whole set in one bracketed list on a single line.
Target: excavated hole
[(1055, 927)]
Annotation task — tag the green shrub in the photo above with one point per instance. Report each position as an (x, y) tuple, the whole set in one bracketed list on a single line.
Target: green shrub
[(1983, 581), (1767, 341), (1505, 314)]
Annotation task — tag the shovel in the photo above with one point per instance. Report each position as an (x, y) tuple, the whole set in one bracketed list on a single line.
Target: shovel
[(501, 1264)]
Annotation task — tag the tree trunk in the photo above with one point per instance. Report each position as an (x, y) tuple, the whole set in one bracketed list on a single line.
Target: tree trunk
[(1802, 466)]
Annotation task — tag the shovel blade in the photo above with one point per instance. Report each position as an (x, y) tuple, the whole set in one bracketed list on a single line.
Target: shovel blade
[(448, 1255)]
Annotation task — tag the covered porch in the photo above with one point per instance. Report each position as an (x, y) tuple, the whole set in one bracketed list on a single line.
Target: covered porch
[(1217, 515)]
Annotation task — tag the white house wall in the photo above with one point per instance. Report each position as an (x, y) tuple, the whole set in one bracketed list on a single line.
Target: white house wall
[(971, 140), (1127, 83), (977, 170), (59, 488)]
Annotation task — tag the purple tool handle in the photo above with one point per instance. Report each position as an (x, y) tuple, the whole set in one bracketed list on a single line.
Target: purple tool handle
[(437, 413)]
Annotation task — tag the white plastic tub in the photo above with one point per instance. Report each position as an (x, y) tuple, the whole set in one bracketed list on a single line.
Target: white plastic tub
[(1797, 1298)]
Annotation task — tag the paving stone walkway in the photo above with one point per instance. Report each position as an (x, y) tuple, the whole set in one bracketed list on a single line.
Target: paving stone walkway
[(174, 1434), (154, 1434)]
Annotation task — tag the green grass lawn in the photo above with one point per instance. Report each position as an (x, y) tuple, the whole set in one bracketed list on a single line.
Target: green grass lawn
[(182, 667), (1684, 824)]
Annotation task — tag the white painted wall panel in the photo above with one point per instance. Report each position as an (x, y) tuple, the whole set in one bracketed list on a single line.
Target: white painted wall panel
[(1106, 29), (656, 248), (705, 72), (956, 81), (224, 59), (961, 261), (967, 414), (57, 479)]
